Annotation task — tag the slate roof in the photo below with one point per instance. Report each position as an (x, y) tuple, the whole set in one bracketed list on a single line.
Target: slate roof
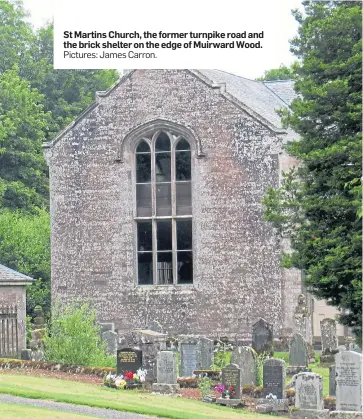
[(9, 276), (262, 97)]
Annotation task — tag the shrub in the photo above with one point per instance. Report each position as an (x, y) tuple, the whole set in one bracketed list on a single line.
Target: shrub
[(259, 367), (74, 338), (204, 385)]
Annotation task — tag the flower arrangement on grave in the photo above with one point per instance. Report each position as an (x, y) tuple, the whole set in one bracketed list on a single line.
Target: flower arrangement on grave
[(126, 380), (225, 392)]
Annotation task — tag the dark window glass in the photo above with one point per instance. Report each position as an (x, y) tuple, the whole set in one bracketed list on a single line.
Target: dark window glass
[(144, 236), (164, 235), (163, 199), (145, 268), (183, 198), (143, 147), (143, 168), (182, 165), (185, 267), (162, 142), (143, 200), (165, 268), (182, 145), (184, 234), (162, 167)]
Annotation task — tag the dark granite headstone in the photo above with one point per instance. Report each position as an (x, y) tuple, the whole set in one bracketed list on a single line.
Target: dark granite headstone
[(231, 377), (274, 376), (262, 337), (332, 383), (128, 359), (188, 359)]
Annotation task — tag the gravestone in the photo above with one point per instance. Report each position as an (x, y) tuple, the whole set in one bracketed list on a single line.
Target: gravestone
[(332, 382), (298, 351), (166, 367), (262, 337), (274, 376), (128, 359), (231, 376), (309, 391), (188, 358), (348, 381), (245, 357), (205, 349), (329, 339), (110, 338), (302, 319)]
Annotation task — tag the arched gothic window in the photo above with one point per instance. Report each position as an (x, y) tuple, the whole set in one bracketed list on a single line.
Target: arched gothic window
[(164, 210)]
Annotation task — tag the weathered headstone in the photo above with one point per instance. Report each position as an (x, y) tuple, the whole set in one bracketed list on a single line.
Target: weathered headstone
[(329, 339), (205, 349), (274, 376), (332, 382), (262, 337), (302, 319), (245, 358), (231, 377), (298, 353), (25, 354), (309, 391), (349, 381), (188, 358), (166, 367), (128, 359), (110, 338)]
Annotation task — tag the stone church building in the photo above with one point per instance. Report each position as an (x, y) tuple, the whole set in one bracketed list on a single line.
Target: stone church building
[(156, 207)]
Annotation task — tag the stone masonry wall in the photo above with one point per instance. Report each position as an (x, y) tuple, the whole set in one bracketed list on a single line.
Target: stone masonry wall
[(237, 278)]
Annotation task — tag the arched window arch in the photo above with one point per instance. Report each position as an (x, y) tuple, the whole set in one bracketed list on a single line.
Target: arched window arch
[(164, 209)]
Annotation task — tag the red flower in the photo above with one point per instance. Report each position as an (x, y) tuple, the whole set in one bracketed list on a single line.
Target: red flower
[(129, 375), (231, 388)]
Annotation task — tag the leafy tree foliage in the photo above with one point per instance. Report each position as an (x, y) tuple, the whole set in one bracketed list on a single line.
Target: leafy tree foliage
[(23, 122), (281, 73), (36, 102), (318, 204), (74, 338), (24, 246)]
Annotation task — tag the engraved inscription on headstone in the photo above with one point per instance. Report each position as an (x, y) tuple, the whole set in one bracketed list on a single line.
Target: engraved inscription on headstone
[(166, 367), (274, 376), (348, 381), (309, 391), (128, 359), (231, 377), (188, 359)]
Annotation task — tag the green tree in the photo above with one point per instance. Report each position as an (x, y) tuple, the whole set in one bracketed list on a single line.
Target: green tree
[(318, 204), (74, 338), (281, 73), (25, 247), (23, 123)]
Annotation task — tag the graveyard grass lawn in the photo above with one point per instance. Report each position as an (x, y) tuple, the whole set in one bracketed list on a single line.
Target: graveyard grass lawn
[(15, 411), (130, 401)]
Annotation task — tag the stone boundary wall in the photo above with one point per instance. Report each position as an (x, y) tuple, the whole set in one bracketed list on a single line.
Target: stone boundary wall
[(6, 363)]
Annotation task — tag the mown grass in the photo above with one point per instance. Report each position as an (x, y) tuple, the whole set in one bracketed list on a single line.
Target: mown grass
[(16, 411), (130, 401)]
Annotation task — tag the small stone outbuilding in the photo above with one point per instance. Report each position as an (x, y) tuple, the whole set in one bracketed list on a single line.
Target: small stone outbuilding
[(12, 311)]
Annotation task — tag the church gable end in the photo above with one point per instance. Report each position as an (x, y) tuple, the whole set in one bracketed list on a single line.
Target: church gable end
[(156, 206)]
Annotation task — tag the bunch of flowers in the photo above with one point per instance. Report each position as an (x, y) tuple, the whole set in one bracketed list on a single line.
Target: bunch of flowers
[(220, 388), (230, 392), (226, 392), (125, 380)]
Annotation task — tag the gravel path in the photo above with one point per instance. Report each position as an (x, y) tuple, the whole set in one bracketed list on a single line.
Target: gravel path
[(74, 408)]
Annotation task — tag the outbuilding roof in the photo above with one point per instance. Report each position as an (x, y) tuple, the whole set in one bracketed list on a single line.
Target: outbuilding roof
[(10, 277)]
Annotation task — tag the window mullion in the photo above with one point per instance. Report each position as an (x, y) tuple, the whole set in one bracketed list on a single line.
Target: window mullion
[(173, 212), (155, 255), (153, 212)]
